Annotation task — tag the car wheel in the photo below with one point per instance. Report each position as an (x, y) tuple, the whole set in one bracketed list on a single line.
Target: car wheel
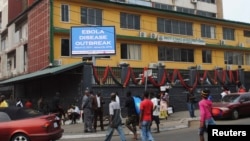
[(235, 114), (20, 137)]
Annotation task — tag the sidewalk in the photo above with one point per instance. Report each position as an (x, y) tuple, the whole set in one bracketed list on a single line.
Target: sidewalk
[(175, 121)]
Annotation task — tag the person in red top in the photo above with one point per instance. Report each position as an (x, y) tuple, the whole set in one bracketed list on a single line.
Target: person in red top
[(146, 111), (28, 104), (241, 88)]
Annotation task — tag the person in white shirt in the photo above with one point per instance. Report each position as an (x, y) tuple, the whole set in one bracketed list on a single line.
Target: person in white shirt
[(156, 110), (115, 121), (75, 114), (19, 103), (225, 91)]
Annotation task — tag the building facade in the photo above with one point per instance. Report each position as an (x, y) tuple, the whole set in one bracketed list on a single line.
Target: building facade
[(149, 38), (27, 35)]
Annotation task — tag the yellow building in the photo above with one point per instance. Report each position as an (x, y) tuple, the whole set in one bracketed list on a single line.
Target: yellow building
[(147, 37)]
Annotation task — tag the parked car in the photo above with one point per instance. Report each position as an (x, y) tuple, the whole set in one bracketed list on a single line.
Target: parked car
[(22, 124), (232, 106)]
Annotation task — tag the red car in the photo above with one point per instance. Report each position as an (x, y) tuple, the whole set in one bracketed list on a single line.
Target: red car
[(232, 106), (22, 124)]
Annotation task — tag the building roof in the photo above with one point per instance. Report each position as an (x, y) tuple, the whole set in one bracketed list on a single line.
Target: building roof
[(42, 73)]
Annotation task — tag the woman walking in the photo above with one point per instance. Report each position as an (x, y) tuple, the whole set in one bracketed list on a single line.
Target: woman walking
[(164, 105), (206, 118)]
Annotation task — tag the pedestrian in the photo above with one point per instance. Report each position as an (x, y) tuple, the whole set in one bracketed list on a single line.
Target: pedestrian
[(225, 91), (240, 87), (146, 111), (132, 116), (206, 118), (99, 111), (3, 102), (75, 114), (88, 112), (156, 111), (164, 105), (115, 121), (42, 105), (55, 103), (93, 108), (28, 104), (19, 102), (191, 100)]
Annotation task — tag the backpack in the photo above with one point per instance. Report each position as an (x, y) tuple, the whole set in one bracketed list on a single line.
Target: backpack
[(137, 101)]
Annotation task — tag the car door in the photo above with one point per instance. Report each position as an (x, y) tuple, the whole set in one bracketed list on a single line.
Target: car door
[(244, 105)]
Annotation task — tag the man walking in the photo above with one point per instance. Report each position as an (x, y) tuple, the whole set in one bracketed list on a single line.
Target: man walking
[(99, 111), (115, 121), (55, 103), (191, 103), (146, 111), (132, 118), (88, 112), (156, 110)]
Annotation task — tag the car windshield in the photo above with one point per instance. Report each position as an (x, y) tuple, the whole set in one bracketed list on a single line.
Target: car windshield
[(230, 98)]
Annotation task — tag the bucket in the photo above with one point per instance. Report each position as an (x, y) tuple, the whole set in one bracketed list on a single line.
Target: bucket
[(170, 110)]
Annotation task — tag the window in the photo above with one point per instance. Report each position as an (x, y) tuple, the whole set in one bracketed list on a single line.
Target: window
[(228, 33), (235, 58), (208, 31), (206, 56), (65, 13), (206, 14), (185, 10), (129, 21), (3, 44), (11, 60), (65, 47), (174, 26), (247, 58), (208, 1), (163, 6), (91, 16), (4, 117), (25, 58), (175, 54), (246, 33), (131, 51)]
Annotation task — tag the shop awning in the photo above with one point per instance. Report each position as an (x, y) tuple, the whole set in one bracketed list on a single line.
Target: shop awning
[(42, 73)]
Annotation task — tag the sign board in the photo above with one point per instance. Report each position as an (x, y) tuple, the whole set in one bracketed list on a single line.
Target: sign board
[(163, 88), (93, 40), (147, 73), (181, 40)]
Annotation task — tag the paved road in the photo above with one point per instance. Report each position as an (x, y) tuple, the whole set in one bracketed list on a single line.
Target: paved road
[(175, 121), (183, 134)]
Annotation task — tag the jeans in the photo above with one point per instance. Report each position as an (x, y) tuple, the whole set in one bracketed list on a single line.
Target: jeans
[(145, 131), (191, 109), (208, 122), (111, 131)]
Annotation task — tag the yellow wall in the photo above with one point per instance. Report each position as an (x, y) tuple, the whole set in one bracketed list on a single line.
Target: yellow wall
[(111, 16)]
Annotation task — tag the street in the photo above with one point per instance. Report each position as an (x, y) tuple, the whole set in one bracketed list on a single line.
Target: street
[(187, 134)]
